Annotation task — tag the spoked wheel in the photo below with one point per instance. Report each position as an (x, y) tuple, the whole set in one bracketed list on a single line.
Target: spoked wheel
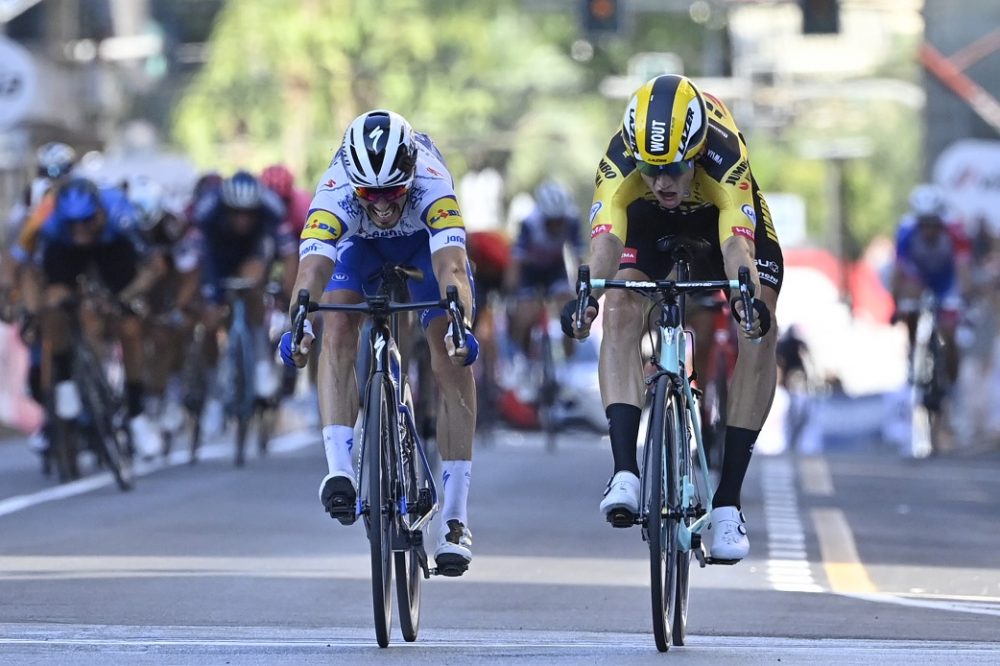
[(714, 426), (110, 437), (684, 475), (661, 529), (548, 389), (408, 570), (378, 429)]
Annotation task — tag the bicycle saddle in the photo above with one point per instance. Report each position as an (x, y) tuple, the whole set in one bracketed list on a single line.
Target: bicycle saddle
[(683, 247)]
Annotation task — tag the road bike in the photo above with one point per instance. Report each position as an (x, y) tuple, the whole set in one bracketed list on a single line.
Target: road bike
[(543, 365), (675, 499), (397, 495), (102, 424), (928, 376)]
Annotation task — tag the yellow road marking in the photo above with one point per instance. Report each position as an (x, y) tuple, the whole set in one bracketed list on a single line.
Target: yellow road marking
[(843, 567), (815, 475)]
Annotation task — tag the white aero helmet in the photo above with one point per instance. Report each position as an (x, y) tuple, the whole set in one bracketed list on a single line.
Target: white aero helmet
[(554, 201), (926, 200), (379, 150)]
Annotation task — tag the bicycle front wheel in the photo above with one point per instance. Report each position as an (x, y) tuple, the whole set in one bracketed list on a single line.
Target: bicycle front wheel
[(408, 570), (686, 506), (378, 431), (661, 528)]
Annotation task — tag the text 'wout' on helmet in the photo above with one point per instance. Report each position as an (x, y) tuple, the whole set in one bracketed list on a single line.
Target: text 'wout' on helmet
[(379, 150), (665, 121)]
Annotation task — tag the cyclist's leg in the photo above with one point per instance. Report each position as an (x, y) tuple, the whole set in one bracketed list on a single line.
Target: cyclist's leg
[(456, 422), (117, 265), (337, 386)]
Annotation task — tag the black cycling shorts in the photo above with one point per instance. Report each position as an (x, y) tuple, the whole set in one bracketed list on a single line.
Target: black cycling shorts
[(648, 222), (116, 263)]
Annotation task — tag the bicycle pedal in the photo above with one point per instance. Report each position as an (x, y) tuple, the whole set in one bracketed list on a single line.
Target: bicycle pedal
[(621, 518), (452, 567), (717, 560)]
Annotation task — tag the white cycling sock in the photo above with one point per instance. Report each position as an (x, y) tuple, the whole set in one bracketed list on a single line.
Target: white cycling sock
[(338, 441), (456, 475)]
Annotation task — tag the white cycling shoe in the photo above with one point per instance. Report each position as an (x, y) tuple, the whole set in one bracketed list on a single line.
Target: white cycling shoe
[(146, 436), (728, 531), (338, 492), (621, 497), (454, 549)]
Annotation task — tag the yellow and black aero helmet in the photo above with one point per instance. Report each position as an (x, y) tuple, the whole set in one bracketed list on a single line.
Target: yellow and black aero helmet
[(665, 121)]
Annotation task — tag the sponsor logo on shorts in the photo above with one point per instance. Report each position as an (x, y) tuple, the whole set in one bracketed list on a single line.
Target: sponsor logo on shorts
[(629, 255), (767, 277), (768, 265), (743, 231), (749, 212), (594, 210)]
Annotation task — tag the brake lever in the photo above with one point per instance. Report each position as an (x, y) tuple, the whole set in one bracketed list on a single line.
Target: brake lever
[(583, 294), (457, 317)]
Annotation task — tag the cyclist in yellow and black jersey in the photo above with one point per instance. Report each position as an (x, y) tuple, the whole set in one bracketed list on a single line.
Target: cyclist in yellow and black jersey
[(679, 165)]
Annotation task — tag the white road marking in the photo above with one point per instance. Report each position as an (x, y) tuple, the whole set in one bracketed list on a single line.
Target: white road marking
[(788, 567), (283, 444)]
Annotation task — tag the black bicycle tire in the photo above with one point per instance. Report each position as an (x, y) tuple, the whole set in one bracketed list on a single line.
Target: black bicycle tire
[(377, 427), (717, 429), (683, 469), (62, 447), (100, 403), (242, 404), (660, 536), (409, 574), (547, 393)]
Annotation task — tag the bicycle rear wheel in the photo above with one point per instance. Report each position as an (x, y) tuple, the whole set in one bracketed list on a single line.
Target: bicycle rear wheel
[(409, 573), (661, 529), (548, 392), (378, 431)]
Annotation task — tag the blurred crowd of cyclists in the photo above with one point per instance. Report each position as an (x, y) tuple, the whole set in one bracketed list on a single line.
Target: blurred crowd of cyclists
[(161, 267)]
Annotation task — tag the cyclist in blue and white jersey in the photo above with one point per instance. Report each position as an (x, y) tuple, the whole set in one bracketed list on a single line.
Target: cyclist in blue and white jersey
[(388, 197), (537, 257), (933, 253)]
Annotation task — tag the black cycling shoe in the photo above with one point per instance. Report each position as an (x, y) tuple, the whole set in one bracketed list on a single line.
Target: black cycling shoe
[(339, 497)]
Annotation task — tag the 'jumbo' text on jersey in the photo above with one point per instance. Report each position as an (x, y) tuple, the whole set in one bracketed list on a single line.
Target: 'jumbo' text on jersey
[(722, 179), (431, 208)]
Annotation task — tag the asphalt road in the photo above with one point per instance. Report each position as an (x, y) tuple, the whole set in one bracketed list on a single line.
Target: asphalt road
[(855, 558)]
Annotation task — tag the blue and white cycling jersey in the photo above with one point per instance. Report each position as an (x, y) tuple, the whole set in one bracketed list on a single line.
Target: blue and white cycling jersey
[(430, 213)]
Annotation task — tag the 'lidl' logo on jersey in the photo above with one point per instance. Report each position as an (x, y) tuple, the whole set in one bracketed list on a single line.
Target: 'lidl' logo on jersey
[(322, 225), (444, 214)]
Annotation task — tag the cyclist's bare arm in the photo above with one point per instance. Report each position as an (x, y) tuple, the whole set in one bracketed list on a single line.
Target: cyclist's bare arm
[(605, 256), (313, 274), (739, 251), (149, 273), (449, 264)]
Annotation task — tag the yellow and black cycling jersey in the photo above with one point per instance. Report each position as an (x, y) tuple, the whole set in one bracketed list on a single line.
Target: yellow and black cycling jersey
[(722, 180)]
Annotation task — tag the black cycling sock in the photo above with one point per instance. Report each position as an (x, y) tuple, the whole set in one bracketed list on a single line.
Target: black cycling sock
[(623, 425), (133, 396), (735, 460), (62, 366)]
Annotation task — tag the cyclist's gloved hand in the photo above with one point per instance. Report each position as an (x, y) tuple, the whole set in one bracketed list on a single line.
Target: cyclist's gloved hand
[(468, 354), (761, 320), (569, 313), (296, 358)]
